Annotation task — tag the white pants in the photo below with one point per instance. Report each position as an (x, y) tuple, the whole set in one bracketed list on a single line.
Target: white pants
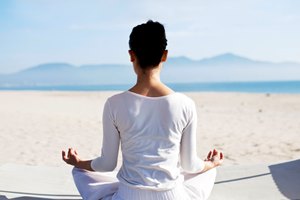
[(105, 186)]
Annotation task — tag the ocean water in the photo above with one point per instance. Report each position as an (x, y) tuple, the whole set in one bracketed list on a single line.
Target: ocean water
[(290, 87)]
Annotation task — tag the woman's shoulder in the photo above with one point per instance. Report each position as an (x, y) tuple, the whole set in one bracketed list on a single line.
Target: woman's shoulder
[(185, 98), (116, 96)]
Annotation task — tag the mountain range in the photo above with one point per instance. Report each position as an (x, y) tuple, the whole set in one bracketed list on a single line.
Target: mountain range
[(221, 68)]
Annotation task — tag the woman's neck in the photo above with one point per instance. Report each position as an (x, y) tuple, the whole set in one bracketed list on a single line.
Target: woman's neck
[(148, 78), (149, 84)]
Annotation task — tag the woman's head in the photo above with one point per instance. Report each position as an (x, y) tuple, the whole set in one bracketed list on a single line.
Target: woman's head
[(148, 42)]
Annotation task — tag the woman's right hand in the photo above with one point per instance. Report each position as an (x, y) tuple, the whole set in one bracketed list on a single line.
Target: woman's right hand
[(215, 157)]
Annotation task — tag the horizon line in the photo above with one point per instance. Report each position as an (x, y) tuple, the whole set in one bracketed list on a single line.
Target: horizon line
[(171, 57)]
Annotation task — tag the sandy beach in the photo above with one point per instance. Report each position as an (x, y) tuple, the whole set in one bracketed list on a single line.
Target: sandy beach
[(248, 128)]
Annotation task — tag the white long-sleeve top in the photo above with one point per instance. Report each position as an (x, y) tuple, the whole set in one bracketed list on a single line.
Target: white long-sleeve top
[(158, 136)]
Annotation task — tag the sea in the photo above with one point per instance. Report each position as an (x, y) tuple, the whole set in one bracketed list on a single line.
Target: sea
[(286, 87)]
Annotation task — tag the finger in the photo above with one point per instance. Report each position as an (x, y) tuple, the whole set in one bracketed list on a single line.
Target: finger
[(209, 154), (69, 152), (76, 153), (63, 153), (64, 157), (73, 152), (221, 156), (215, 152)]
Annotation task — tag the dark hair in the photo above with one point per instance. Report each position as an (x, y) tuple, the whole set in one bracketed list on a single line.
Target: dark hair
[(148, 42)]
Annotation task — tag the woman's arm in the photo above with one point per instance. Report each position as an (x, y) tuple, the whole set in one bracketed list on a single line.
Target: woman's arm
[(110, 143), (110, 148), (190, 162)]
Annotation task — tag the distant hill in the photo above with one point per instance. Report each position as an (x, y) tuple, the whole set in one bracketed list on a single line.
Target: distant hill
[(66, 74), (48, 67), (225, 67), (228, 67), (229, 59), (223, 60)]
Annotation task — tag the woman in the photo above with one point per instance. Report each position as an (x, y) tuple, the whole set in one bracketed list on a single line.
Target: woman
[(157, 130)]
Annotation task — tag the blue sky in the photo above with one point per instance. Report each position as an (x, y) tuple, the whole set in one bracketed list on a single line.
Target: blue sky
[(93, 32)]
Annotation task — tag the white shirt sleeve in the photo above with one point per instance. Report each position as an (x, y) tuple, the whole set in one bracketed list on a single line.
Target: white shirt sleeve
[(110, 144), (189, 160)]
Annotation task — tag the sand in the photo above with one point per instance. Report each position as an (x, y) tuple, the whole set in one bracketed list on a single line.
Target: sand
[(248, 128)]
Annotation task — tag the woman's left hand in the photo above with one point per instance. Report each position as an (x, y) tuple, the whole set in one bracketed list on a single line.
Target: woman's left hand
[(71, 158)]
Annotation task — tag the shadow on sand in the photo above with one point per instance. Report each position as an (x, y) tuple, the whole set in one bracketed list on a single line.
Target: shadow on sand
[(287, 178)]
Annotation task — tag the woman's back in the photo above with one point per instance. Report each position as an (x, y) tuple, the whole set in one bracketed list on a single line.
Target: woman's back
[(150, 130)]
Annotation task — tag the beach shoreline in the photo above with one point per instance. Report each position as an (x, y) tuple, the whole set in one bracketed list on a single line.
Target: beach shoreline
[(250, 128)]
